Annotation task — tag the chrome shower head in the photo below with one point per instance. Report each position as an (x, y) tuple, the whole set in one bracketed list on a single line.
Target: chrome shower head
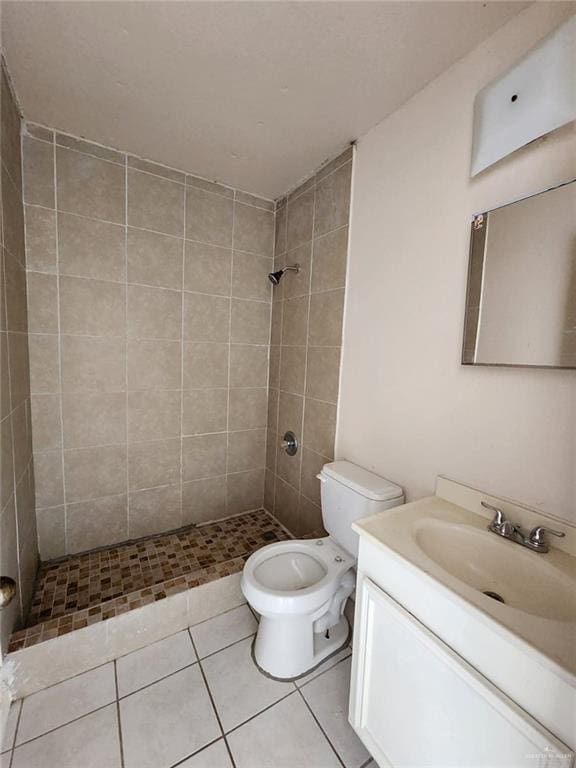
[(275, 277)]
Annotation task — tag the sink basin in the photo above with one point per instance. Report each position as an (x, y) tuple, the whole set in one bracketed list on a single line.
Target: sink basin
[(523, 580)]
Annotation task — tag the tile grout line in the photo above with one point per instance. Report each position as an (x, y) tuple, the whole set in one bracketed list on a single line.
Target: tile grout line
[(212, 701), (13, 747), (128, 522), (59, 345), (332, 747), (182, 348), (228, 372), (118, 719)]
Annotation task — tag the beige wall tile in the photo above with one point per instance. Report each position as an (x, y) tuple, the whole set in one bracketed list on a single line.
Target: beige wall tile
[(153, 414), (272, 421), (10, 132), (342, 158), (250, 322), (22, 437), (48, 480), (333, 200), (295, 321), (153, 313), (206, 318), (312, 464), (156, 168), (293, 369), (44, 366), (12, 217), (205, 365), (274, 367), (246, 450), (253, 230), (288, 467), (272, 441), (89, 248), (207, 268), (90, 148), (93, 472), (298, 283), (5, 405), (300, 219), (250, 276), (204, 500), (322, 373), (154, 364), (319, 427), (276, 322), (248, 408), (38, 172), (259, 202), (90, 186), (19, 368), (329, 263), (245, 491), (287, 506), (42, 303), (40, 239), (210, 186), (91, 307), (203, 456), (51, 533), (155, 203), (6, 461), (204, 410), (46, 425), (290, 411), (153, 463), (97, 418), (39, 132), (310, 518), (154, 510), (154, 259), (97, 522), (269, 490), (326, 311), (280, 231), (93, 364), (208, 217), (15, 294), (248, 365)]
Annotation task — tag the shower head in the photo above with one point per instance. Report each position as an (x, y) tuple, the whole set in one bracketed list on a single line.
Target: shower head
[(275, 277)]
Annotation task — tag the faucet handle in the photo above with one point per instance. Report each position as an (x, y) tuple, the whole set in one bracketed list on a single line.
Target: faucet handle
[(499, 518), (537, 536)]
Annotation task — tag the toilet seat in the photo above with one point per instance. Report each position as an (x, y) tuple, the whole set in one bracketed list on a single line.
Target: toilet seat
[(294, 577)]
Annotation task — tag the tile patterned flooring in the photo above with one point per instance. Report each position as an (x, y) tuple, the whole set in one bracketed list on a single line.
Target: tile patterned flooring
[(84, 589), (193, 700)]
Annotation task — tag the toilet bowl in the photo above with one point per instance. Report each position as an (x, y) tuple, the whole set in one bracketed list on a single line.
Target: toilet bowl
[(300, 586)]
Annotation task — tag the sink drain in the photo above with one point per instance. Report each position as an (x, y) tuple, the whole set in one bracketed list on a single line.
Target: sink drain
[(494, 596)]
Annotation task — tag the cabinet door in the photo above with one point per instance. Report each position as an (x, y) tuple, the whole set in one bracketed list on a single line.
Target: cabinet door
[(415, 703)]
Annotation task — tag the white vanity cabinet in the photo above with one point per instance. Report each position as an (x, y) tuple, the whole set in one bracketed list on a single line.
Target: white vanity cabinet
[(415, 703)]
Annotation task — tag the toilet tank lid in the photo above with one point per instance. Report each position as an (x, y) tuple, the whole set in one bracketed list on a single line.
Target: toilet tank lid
[(362, 481)]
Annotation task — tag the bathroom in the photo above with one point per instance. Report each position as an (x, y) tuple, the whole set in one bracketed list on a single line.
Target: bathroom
[(262, 396)]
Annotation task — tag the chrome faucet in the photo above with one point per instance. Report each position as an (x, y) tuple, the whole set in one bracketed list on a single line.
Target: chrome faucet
[(535, 540)]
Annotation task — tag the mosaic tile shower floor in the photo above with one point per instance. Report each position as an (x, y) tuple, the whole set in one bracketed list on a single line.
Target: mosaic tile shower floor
[(84, 589)]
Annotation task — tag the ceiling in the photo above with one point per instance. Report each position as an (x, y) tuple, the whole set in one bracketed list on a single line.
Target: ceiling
[(256, 94)]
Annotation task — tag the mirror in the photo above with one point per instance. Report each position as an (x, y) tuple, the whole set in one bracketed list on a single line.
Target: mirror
[(521, 298)]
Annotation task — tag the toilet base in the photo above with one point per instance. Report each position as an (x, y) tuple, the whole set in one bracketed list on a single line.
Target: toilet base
[(275, 664)]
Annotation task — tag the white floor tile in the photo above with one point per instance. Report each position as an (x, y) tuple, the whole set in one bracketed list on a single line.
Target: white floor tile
[(327, 696), (284, 736), (214, 756), (154, 662), (217, 633), (61, 703), (90, 742), (10, 729), (5, 759), (344, 653), (238, 688), (167, 721)]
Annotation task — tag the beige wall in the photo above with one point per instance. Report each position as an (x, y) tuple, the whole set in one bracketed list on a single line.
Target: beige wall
[(306, 336), (149, 318), (18, 550), (408, 409)]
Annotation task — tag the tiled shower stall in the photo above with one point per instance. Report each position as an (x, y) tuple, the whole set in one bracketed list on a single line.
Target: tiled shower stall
[(163, 367)]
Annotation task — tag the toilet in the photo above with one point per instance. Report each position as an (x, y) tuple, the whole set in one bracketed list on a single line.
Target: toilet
[(300, 586)]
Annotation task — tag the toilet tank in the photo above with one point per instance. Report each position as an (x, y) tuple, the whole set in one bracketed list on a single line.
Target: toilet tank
[(348, 493)]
